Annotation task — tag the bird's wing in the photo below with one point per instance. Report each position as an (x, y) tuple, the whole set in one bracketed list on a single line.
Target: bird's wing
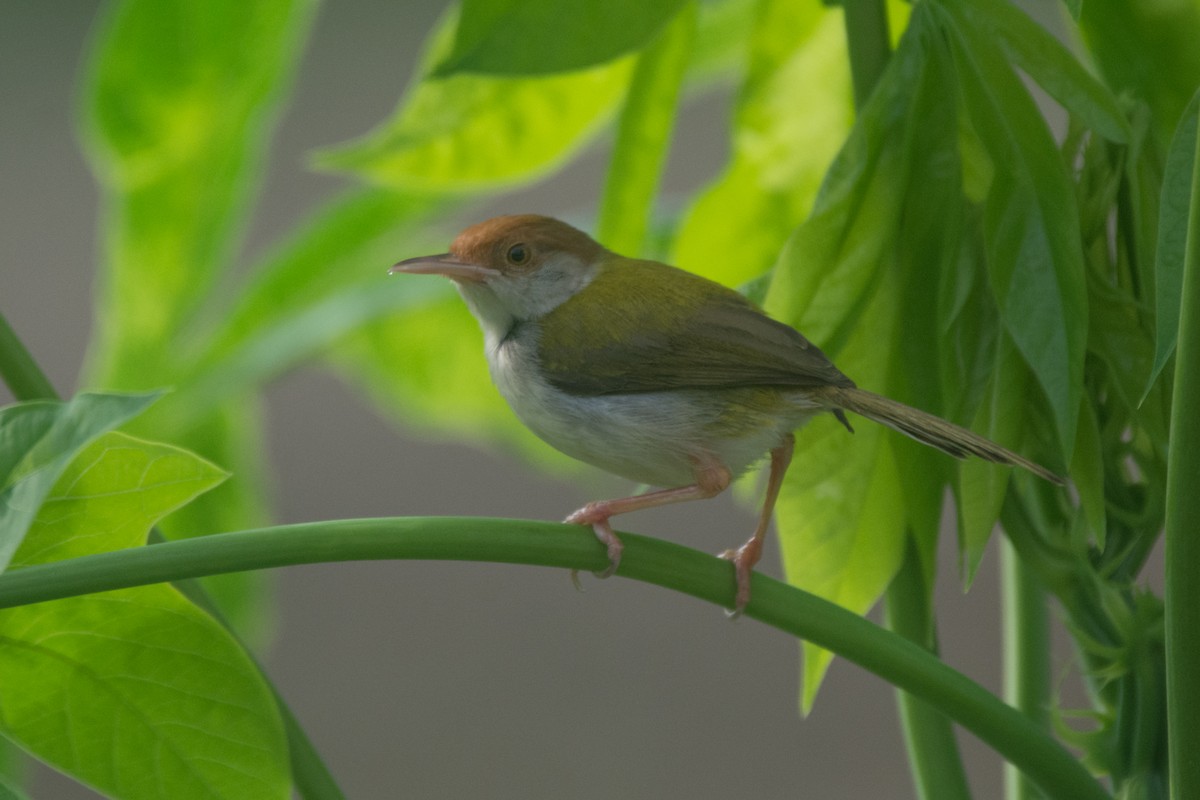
[(642, 326)]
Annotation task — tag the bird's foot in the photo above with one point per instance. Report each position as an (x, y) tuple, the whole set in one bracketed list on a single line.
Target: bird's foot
[(596, 515), (744, 558)]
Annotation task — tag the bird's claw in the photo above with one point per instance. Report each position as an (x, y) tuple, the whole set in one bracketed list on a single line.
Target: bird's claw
[(590, 515)]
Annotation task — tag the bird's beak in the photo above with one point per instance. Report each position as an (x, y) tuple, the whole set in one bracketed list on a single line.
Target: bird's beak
[(444, 264)]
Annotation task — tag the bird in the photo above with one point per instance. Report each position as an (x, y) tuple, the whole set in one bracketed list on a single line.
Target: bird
[(656, 374)]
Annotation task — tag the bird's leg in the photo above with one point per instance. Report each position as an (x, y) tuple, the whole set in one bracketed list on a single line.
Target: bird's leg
[(745, 557), (712, 478)]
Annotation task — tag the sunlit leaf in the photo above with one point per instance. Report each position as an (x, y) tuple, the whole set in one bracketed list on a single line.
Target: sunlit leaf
[(179, 100), (478, 132), (37, 442), (842, 515), (540, 37), (325, 282), (787, 128), (137, 676)]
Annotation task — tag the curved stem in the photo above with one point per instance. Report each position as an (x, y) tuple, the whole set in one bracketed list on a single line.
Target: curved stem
[(897, 660), (933, 754)]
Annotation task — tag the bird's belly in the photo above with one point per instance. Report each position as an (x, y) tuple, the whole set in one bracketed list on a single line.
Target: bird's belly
[(651, 437)]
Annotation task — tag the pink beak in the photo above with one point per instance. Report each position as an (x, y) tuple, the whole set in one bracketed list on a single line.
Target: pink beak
[(444, 264)]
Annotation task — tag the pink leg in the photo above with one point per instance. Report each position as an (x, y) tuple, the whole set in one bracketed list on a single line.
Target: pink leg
[(712, 478), (745, 557)]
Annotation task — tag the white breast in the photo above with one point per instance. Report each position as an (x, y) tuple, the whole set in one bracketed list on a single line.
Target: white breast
[(648, 437)]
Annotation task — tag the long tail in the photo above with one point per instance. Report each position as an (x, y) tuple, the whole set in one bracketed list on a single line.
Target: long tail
[(928, 429)]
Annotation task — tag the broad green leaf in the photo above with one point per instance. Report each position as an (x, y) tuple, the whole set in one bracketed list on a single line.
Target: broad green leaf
[(1075, 7), (787, 128), (842, 515), (1172, 237), (1031, 227), (1147, 51), (541, 37), (37, 442), (135, 692), (178, 102), (469, 133), (1036, 51)]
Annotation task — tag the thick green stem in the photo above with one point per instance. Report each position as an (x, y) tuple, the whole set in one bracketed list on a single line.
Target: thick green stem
[(897, 660), (311, 777), (1026, 655), (644, 135), (867, 39), (20, 372), (1182, 590), (933, 755)]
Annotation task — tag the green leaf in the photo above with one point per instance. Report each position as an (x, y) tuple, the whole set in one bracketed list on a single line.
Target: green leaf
[(178, 103), (1075, 7), (11, 791), (470, 133), (231, 436), (540, 37), (981, 486), (1147, 51), (842, 515), (787, 128), (135, 692), (1172, 237), (1031, 227), (1087, 474), (1038, 53), (327, 280), (644, 137), (38, 441)]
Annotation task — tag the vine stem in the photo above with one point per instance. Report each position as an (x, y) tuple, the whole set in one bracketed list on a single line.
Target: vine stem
[(894, 658)]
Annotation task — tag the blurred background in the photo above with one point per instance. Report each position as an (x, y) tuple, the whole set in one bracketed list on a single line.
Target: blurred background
[(449, 680)]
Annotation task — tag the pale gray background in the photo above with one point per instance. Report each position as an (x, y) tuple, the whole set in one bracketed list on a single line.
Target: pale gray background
[(453, 680)]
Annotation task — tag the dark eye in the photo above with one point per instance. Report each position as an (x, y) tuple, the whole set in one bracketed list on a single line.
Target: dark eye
[(518, 254)]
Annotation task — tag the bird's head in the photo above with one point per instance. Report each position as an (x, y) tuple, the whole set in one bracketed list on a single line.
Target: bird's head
[(515, 268)]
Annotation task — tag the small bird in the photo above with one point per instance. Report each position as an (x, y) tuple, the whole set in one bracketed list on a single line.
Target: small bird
[(656, 374)]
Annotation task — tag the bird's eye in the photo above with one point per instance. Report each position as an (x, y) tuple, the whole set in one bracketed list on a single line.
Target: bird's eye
[(518, 254)]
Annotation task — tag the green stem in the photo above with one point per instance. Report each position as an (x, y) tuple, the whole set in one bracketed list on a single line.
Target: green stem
[(897, 660), (1182, 589), (933, 755), (20, 372), (309, 774), (870, 47), (1026, 655), (644, 135)]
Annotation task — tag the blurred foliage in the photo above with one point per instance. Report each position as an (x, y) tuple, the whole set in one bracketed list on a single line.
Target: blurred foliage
[(945, 245)]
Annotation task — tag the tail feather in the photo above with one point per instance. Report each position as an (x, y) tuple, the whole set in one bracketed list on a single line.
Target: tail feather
[(928, 429)]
